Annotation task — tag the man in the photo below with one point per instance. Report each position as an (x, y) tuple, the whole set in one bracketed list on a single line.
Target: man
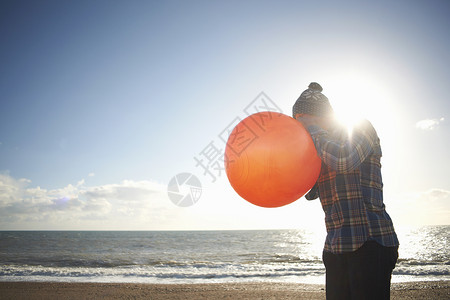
[(361, 247)]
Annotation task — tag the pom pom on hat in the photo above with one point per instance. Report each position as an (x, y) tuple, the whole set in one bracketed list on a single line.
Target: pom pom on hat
[(313, 102), (315, 87)]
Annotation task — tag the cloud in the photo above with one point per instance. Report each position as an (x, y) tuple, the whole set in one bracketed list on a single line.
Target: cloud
[(145, 205), (431, 207), (127, 205), (437, 194), (139, 205), (429, 124)]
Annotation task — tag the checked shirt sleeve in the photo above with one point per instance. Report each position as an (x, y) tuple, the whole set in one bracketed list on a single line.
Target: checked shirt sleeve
[(313, 193), (344, 155)]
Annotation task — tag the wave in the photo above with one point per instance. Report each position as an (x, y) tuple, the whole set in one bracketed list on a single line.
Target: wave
[(152, 274), (417, 262), (197, 272), (196, 256), (162, 263), (119, 261)]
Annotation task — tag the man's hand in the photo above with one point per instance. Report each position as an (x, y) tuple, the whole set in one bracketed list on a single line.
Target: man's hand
[(308, 120)]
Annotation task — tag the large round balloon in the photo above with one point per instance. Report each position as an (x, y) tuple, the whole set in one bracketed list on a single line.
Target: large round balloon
[(270, 159)]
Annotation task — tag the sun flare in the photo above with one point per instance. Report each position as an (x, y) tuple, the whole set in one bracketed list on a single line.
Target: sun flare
[(349, 116), (357, 96)]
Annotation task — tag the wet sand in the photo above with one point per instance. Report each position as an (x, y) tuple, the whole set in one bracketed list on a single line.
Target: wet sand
[(64, 290)]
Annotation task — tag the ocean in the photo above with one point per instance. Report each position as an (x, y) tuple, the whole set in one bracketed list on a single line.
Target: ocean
[(200, 256)]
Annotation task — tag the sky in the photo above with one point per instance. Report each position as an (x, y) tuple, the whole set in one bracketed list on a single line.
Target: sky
[(105, 103)]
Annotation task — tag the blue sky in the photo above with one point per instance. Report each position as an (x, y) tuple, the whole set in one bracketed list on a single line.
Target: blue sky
[(103, 102)]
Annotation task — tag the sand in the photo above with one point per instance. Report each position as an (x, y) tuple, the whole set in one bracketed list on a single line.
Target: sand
[(58, 290)]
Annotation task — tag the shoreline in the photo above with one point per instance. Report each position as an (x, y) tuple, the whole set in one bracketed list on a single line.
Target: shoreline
[(262, 290)]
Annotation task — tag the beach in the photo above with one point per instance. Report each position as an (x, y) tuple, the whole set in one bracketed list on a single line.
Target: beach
[(258, 264), (264, 290)]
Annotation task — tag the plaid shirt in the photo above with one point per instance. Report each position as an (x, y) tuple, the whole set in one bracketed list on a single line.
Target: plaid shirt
[(351, 189)]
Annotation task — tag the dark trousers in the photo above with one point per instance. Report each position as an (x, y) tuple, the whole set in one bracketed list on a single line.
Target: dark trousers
[(362, 274)]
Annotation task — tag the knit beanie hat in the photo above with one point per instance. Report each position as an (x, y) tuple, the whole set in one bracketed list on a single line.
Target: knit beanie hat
[(312, 102)]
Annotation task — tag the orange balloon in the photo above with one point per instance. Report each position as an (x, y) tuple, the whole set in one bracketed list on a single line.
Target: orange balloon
[(270, 159)]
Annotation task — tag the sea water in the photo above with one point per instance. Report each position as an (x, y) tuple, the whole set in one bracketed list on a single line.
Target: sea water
[(200, 256)]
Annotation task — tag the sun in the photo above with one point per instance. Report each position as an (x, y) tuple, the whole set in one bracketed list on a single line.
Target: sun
[(348, 115), (349, 109), (357, 96)]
